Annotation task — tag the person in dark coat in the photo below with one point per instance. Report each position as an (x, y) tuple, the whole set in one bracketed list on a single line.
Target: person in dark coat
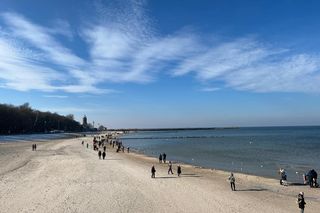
[(104, 155), (99, 153), (35, 147), (301, 202), (153, 172), (170, 168), (104, 148), (87, 145), (312, 178), (128, 149), (160, 158), (179, 170), (164, 157)]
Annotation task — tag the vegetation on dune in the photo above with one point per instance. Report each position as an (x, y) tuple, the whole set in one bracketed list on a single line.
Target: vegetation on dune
[(23, 119)]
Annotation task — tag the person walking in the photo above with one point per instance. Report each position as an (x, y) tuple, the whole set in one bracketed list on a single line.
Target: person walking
[(153, 172), (104, 148), (283, 176), (160, 158), (164, 157), (179, 170), (99, 153), (128, 149), (232, 181), (87, 145), (103, 155), (301, 202), (170, 168)]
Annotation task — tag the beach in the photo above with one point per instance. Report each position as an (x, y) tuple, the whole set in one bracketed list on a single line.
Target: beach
[(65, 176)]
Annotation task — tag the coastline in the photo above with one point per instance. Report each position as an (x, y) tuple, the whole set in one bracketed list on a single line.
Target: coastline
[(267, 181), (64, 176), (256, 151)]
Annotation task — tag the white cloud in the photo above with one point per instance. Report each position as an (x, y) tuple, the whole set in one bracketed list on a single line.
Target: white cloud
[(123, 47), (210, 89), (61, 27), (56, 96), (19, 70), (298, 73), (40, 39)]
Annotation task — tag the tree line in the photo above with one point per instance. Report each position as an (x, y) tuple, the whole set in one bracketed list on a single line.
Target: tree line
[(23, 119)]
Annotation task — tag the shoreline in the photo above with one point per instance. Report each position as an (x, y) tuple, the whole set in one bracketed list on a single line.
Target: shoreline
[(253, 152), (259, 182), (139, 153), (226, 172), (250, 177), (64, 176)]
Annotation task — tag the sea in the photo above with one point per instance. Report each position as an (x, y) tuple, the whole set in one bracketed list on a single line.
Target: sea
[(37, 137), (260, 151)]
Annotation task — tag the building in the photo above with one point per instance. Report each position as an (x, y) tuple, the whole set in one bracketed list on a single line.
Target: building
[(85, 121)]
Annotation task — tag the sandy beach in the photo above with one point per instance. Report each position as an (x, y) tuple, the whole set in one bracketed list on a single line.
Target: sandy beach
[(64, 176)]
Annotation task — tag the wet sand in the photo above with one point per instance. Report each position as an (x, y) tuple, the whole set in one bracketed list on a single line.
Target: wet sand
[(64, 176)]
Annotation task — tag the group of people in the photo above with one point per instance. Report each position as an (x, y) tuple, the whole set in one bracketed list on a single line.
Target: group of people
[(283, 178), (162, 158), (179, 170), (34, 147), (103, 154), (309, 178), (100, 143)]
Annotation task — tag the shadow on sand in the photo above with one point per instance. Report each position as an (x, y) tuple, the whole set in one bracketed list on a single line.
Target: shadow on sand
[(181, 176), (296, 184), (166, 177), (113, 159), (251, 190), (190, 175)]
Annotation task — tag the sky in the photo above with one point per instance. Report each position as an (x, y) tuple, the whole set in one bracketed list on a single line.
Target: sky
[(168, 63)]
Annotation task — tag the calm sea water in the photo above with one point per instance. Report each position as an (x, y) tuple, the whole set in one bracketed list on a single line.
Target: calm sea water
[(35, 137), (258, 151)]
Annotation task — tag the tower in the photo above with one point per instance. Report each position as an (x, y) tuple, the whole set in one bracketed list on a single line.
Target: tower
[(84, 121)]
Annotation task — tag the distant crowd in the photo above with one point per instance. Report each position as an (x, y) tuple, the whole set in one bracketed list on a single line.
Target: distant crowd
[(100, 143)]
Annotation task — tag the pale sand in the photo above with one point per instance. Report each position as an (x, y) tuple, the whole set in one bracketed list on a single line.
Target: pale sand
[(64, 176)]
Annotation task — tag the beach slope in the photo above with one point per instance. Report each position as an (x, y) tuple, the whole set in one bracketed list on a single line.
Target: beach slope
[(64, 176)]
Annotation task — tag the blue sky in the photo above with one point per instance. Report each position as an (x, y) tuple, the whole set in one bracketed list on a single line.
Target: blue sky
[(141, 64)]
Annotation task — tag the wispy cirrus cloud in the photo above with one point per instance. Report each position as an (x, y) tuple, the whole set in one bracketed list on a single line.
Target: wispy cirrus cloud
[(123, 46), (210, 89), (56, 96)]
